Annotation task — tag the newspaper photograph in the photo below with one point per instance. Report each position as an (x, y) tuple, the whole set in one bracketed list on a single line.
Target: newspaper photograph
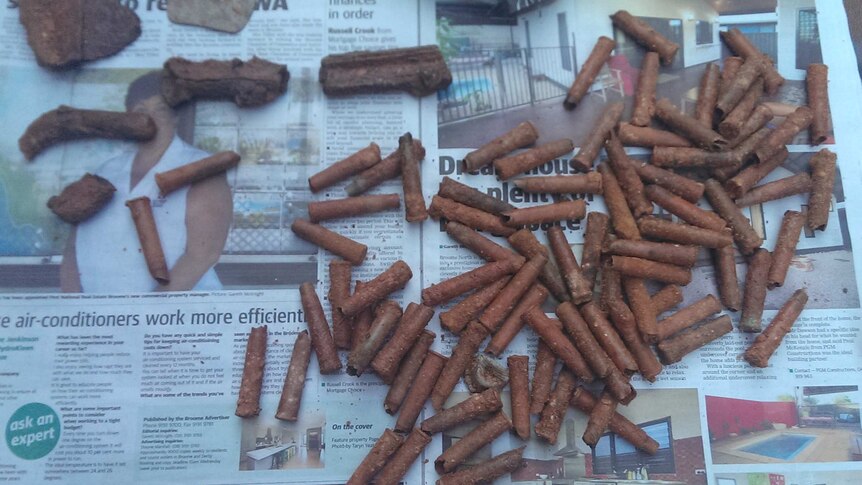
[(448, 337), (518, 65), (809, 424)]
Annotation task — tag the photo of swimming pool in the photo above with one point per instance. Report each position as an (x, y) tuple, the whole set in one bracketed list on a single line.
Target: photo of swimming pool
[(783, 446)]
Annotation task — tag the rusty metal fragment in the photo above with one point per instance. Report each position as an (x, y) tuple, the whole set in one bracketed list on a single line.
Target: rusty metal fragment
[(65, 33), (419, 71), (66, 123), (82, 199), (222, 15), (247, 83)]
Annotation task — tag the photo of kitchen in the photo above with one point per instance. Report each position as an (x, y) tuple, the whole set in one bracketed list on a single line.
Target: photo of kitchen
[(272, 444), (807, 424), (669, 416), (514, 61)]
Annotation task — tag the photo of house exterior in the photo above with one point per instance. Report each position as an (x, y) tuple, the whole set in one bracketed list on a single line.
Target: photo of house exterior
[(809, 424), (669, 416), (514, 60)]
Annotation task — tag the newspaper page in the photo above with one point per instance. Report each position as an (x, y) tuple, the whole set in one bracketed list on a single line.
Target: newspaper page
[(107, 379), (717, 419)]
